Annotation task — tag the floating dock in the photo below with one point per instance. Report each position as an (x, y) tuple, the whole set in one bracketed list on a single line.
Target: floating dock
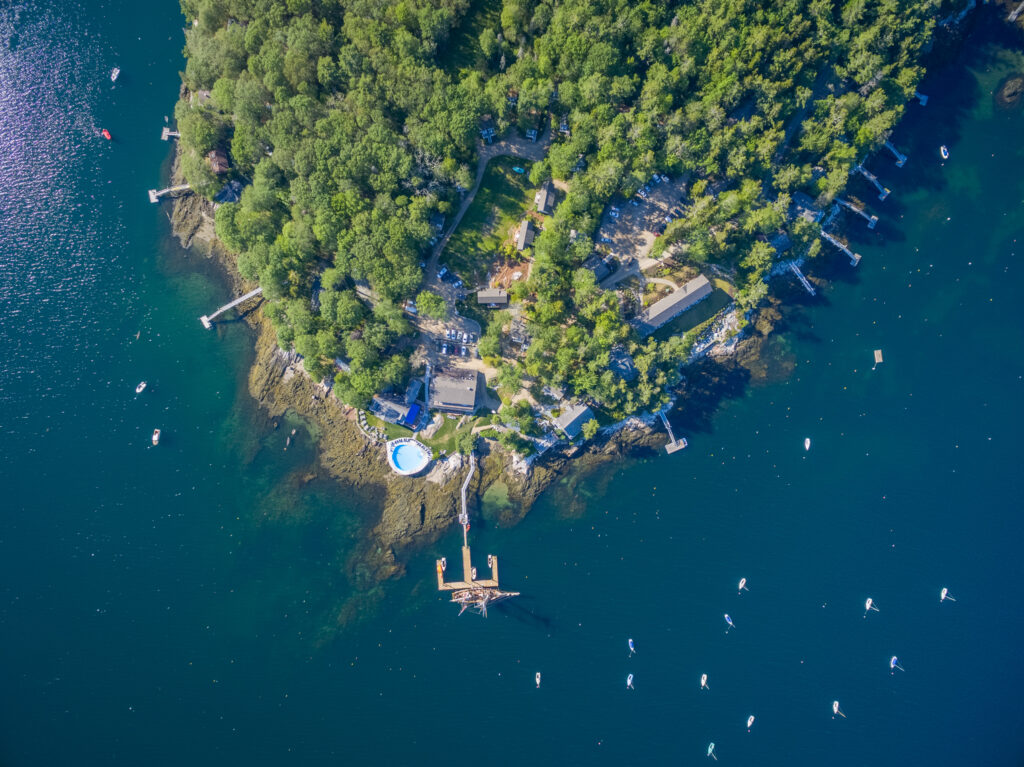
[(673, 443)]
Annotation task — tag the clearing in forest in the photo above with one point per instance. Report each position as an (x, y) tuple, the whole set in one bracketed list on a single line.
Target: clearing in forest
[(502, 201)]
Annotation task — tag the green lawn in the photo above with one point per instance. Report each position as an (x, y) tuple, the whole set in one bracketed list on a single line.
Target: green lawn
[(462, 51), (504, 197)]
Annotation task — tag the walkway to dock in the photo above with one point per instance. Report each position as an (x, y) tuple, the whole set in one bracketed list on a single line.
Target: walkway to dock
[(803, 280), (673, 443), (167, 133), (464, 514), (1016, 12), (154, 195), (207, 319)]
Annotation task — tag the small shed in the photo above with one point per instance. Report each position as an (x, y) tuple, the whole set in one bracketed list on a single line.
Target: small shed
[(524, 237)]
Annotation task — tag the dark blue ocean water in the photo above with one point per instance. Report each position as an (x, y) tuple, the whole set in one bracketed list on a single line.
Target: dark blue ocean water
[(179, 605)]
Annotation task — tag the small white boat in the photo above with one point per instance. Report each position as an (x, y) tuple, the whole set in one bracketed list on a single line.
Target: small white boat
[(743, 585), (944, 152), (141, 387), (836, 711), (869, 605), (114, 74), (711, 751), (156, 437), (444, 564), (807, 443), (704, 682), (944, 595), (894, 663), (728, 620), (536, 678), (750, 722), (632, 649), (629, 682)]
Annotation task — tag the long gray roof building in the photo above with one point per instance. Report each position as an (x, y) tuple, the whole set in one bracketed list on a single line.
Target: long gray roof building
[(572, 419), (454, 392), (672, 305)]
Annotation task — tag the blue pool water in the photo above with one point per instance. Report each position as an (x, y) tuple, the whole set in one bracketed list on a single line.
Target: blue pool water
[(408, 457)]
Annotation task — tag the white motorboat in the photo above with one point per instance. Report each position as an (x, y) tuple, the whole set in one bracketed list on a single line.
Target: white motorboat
[(141, 387), (807, 443), (156, 437), (537, 679), (114, 74), (944, 152), (750, 722)]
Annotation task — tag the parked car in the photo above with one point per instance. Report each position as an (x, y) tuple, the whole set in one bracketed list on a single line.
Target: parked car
[(472, 337), (664, 178), (606, 239), (614, 214), (656, 178), (464, 352), (458, 283), (442, 273), (634, 203), (444, 349)]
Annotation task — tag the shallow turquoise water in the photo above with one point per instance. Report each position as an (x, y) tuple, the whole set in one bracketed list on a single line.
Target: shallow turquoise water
[(178, 605)]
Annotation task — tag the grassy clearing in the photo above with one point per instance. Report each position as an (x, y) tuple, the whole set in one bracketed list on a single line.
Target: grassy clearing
[(504, 197), (462, 51)]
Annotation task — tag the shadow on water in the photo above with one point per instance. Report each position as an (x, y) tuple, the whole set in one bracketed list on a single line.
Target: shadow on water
[(516, 610)]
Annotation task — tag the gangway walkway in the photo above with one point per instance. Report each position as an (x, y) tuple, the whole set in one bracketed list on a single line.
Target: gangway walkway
[(207, 319), (154, 195), (673, 443), (803, 280)]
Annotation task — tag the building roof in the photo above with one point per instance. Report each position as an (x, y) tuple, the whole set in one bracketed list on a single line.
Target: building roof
[(218, 161), (454, 391), (803, 207), (572, 419), (543, 198), (621, 363), (492, 296), (524, 236), (780, 242), (598, 266), (672, 305), (393, 411), (437, 220)]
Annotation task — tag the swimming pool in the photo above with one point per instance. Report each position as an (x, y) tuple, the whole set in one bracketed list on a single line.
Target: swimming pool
[(407, 456)]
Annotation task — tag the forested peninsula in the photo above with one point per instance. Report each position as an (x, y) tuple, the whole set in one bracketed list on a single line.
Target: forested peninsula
[(345, 140)]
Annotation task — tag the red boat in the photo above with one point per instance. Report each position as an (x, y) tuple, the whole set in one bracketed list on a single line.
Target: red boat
[(106, 134)]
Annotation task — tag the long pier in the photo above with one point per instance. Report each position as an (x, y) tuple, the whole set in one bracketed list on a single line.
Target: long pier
[(207, 319), (882, 191), (854, 257), (922, 99), (872, 220), (464, 514), (803, 280), (154, 195), (901, 159), (673, 443), (1016, 12)]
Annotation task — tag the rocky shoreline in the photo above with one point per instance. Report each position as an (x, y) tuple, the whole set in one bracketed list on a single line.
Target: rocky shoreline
[(413, 512)]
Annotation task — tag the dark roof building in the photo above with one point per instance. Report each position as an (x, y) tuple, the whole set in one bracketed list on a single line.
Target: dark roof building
[(803, 207), (572, 419), (672, 305), (232, 192), (218, 161), (621, 363), (437, 220), (393, 411), (492, 297), (598, 266), (781, 242), (524, 237), (454, 392)]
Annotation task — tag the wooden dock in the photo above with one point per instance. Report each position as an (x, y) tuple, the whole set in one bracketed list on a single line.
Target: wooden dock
[(154, 195), (673, 443), (167, 133), (207, 319)]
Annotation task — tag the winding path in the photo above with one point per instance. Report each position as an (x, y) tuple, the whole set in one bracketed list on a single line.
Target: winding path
[(506, 147)]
